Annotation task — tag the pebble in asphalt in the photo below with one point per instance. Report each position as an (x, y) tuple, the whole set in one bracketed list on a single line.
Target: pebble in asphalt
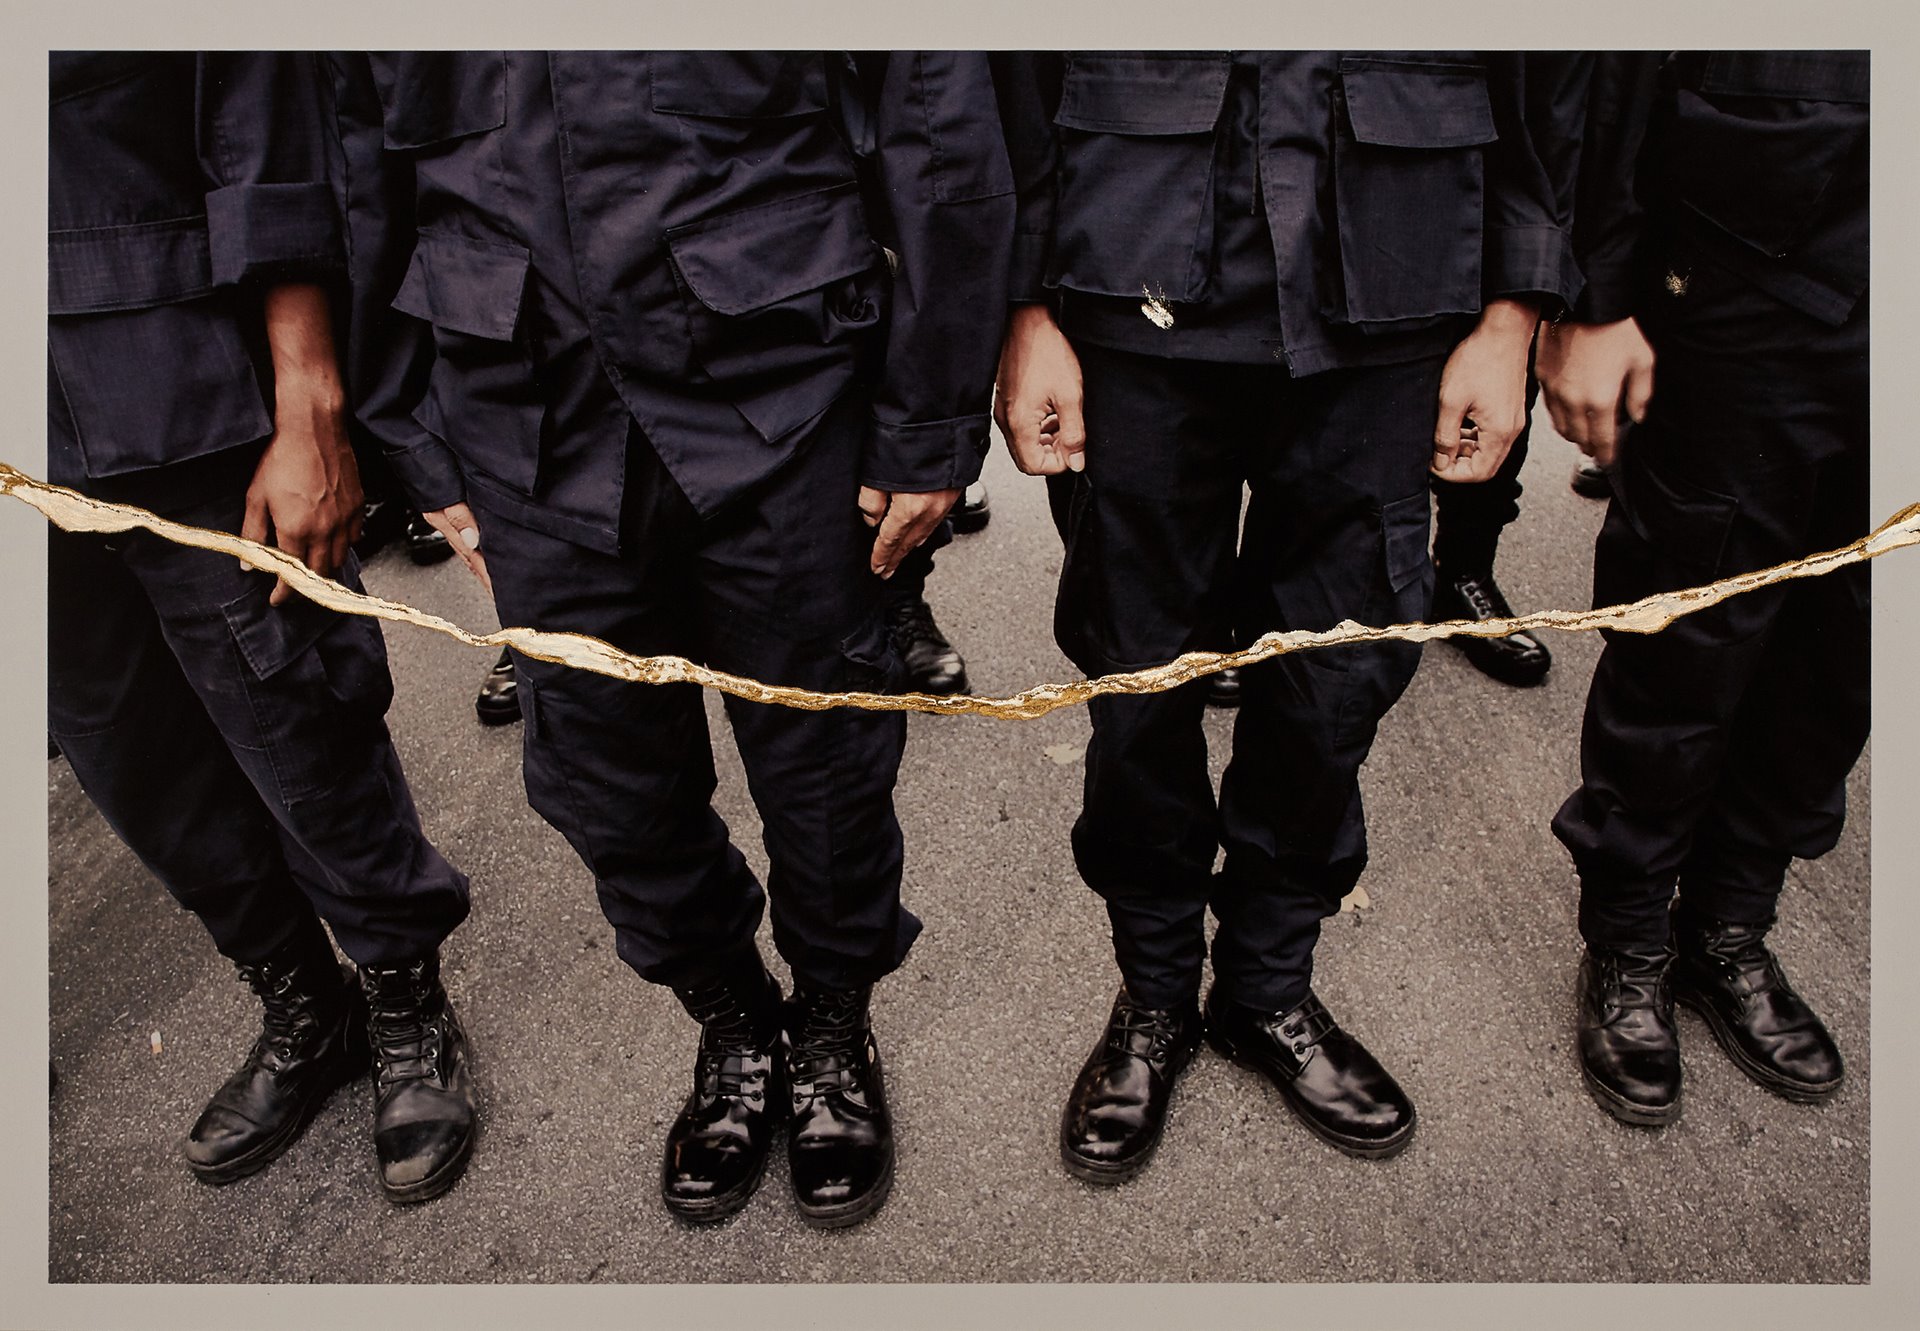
[(1458, 974)]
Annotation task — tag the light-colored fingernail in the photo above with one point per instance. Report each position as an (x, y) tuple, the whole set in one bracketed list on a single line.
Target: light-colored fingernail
[(471, 536), (1076, 462)]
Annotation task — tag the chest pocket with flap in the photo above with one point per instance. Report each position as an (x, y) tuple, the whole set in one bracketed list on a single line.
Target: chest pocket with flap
[(1409, 190), (1136, 172)]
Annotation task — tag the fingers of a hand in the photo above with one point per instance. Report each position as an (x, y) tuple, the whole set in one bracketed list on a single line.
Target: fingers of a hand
[(253, 524), (336, 554), (1070, 433), (1566, 422), (456, 523), (1029, 441), (310, 550), (1447, 424), (873, 505), (478, 566), (1601, 428), (888, 547), (1639, 394)]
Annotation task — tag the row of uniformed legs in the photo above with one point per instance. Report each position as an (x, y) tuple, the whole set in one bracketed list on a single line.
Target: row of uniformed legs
[(774, 587), (1159, 563), (241, 752), (1717, 750)]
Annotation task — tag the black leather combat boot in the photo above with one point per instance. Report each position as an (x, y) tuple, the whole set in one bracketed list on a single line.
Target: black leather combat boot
[(423, 1119), (312, 1041), (1727, 974), (1118, 1105), (717, 1147), (1629, 1049), (1325, 1075), (498, 702), (840, 1138), (1519, 659), (933, 664)]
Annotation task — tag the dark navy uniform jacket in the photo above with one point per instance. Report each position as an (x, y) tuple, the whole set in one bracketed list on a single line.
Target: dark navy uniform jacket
[(176, 183), (698, 242), (1757, 159), (1352, 207)]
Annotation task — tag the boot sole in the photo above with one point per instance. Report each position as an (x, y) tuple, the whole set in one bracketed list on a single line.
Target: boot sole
[(844, 1215), (1601, 488), (1797, 1091), (436, 1183), (252, 1162), (712, 1210), (1502, 674), (1628, 1111), (1358, 1148), (1104, 1172), (354, 1055), (496, 716)]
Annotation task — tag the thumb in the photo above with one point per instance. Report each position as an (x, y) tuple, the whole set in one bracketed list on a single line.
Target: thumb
[(1639, 394)]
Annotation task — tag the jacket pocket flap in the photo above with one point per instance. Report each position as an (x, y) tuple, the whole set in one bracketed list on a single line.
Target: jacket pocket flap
[(751, 258), (428, 97), (1811, 76), (128, 267), (738, 85), (465, 285), (1405, 105), (1144, 93)]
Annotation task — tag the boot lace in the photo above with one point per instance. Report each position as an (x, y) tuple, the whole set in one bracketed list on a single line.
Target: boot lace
[(1483, 599), (827, 1045), (729, 1043), (911, 621), (1744, 951), (1140, 1031), (288, 1018), (1633, 980), (405, 1034)]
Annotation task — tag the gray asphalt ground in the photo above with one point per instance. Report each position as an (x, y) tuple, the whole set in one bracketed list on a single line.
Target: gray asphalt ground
[(1459, 974)]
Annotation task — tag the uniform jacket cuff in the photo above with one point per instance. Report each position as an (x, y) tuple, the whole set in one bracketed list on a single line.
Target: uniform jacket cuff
[(1027, 273), (932, 455), (279, 231), (429, 472), (1613, 288), (1533, 260)]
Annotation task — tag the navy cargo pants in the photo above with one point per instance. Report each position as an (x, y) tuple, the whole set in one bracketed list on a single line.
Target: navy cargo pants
[(774, 586), (1717, 749), (239, 750), (1336, 529)]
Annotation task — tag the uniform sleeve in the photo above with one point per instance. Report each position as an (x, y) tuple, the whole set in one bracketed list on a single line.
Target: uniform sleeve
[(269, 214), (1609, 215), (1539, 108), (1027, 84), (941, 191), (389, 355)]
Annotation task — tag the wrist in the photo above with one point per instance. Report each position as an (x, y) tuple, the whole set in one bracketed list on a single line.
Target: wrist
[(1027, 317), (317, 396), (1509, 317)]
